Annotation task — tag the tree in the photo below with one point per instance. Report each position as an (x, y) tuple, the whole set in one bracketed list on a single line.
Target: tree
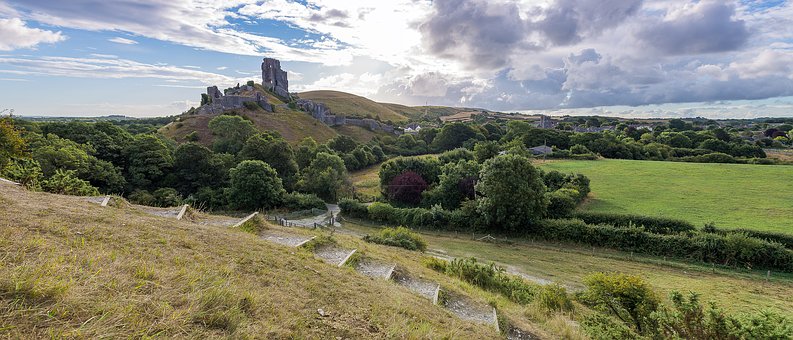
[(230, 133), (254, 185), (452, 136), (342, 144), (452, 156), (427, 168), (274, 151), (54, 153), (198, 167), (486, 150), (407, 188), (148, 161), (513, 193), (325, 176), (11, 142), (456, 184)]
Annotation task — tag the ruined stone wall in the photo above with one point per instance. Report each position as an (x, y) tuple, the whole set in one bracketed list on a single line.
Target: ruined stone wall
[(219, 102), (274, 78), (322, 113)]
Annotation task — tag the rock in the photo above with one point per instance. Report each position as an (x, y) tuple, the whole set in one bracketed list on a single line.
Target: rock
[(322, 312)]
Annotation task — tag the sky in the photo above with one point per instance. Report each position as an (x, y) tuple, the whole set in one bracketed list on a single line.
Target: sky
[(631, 58)]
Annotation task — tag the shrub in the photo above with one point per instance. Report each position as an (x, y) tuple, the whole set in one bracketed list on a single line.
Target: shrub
[(24, 171), (435, 264), (399, 237), (490, 277), (141, 197), (67, 183), (456, 155), (298, 201), (561, 203), (167, 197), (353, 208), (191, 137), (627, 297), (706, 247), (253, 106), (659, 225), (554, 298)]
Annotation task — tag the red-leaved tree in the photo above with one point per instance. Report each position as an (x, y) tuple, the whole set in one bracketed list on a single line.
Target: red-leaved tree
[(407, 187)]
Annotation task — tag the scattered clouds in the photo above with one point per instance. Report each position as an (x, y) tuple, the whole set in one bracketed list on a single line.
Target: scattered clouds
[(124, 41), (15, 34)]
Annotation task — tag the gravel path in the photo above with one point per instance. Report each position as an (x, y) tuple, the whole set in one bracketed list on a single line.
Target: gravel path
[(519, 334), (285, 239), (374, 269), (161, 212)]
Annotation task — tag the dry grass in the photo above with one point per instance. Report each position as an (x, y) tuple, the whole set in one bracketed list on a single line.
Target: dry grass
[(350, 105), (69, 268)]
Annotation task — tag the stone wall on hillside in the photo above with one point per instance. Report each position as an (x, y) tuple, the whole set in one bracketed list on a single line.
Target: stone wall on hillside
[(322, 113), (218, 102)]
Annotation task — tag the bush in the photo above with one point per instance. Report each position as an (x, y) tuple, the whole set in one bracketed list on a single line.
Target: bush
[(298, 201), (561, 203), (554, 298), (141, 197), (399, 237), (253, 106), (353, 208), (407, 188), (490, 277), (658, 225), (24, 171), (785, 240), (627, 297), (456, 155), (382, 212), (735, 250), (67, 183), (167, 197)]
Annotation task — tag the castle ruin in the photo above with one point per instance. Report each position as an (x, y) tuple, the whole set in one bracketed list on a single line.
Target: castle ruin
[(218, 101), (274, 78)]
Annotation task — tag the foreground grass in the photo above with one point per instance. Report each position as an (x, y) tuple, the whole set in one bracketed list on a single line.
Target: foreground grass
[(736, 291), (69, 268), (756, 197)]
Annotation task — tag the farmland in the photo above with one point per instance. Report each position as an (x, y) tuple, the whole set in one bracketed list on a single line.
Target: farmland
[(756, 197)]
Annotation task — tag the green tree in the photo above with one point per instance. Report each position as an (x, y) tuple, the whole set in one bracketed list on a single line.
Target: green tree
[(54, 153), (325, 176), (196, 167), (453, 135), (11, 142), (342, 144), (428, 168), (456, 184), (230, 133), (513, 193), (274, 151), (486, 150), (25, 171), (148, 161), (254, 185)]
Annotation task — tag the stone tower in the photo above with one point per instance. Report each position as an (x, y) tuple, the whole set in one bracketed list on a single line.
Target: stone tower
[(273, 78)]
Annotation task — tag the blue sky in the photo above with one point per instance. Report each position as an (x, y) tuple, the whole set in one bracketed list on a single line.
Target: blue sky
[(638, 58)]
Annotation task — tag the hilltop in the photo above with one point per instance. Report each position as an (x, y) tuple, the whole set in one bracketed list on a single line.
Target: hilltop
[(342, 103)]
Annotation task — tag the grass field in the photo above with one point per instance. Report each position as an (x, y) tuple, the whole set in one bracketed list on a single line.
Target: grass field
[(347, 104), (734, 290), (756, 197)]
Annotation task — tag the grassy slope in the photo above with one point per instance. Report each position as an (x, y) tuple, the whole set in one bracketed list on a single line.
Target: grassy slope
[(359, 133), (293, 125), (737, 291), (418, 111), (367, 180), (350, 105), (731, 195), (73, 269)]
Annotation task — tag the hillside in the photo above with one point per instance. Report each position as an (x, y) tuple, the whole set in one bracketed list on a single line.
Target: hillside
[(350, 105), (427, 112), (74, 269)]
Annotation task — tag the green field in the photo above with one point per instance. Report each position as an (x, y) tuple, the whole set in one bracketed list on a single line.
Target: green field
[(731, 195)]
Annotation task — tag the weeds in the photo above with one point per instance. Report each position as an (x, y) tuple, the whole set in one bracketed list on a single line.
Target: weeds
[(398, 237)]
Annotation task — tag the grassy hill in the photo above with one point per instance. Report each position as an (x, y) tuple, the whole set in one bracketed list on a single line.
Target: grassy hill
[(350, 105), (731, 195), (431, 112), (73, 269)]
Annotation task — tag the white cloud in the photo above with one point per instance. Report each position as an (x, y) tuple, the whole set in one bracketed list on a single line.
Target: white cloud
[(14, 34), (125, 41)]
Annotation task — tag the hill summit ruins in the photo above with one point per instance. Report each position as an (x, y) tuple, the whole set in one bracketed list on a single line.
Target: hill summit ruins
[(273, 79)]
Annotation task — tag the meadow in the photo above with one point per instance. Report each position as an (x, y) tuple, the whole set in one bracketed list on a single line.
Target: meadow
[(747, 196)]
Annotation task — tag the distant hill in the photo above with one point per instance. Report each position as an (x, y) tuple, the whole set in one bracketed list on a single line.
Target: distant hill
[(427, 112), (350, 105)]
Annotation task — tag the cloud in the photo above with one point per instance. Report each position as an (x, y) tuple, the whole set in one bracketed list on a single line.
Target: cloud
[(14, 34), (706, 27), (567, 22), (112, 68), (125, 41)]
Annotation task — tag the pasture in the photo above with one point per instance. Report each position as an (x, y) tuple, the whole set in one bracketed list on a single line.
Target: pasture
[(747, 196)]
